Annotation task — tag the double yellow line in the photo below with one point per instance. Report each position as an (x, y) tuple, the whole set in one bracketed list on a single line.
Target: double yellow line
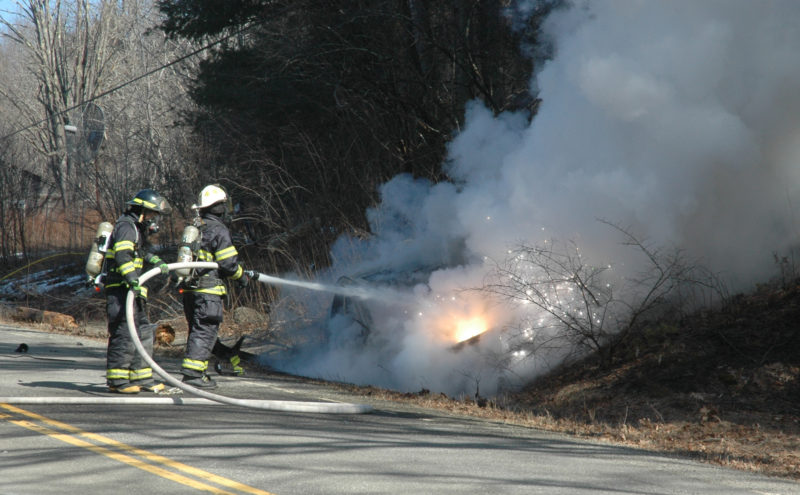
[(133, 456)]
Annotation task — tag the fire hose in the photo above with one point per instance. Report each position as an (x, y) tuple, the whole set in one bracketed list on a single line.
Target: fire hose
[(272, 405), (205, 397)]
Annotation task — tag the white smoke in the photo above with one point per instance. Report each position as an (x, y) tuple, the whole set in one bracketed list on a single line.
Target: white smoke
[(678, 119)]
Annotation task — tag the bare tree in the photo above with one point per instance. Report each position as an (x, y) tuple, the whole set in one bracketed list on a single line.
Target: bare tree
[(65, 56), (147, 144), (68, 53), (580, 308)]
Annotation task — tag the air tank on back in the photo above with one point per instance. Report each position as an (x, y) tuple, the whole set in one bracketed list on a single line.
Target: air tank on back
[(189, 237), (94, 264)]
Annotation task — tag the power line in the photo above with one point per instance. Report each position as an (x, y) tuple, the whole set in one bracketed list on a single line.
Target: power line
[(137, 78)]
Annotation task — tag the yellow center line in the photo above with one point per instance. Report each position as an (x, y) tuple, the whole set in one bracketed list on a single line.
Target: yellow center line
[(119, 457), (155, 458)]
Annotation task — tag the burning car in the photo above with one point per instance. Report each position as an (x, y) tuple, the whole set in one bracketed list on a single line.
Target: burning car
[(404, 296)]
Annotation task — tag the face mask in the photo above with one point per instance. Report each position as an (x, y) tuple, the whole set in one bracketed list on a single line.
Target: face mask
[(151, 225)]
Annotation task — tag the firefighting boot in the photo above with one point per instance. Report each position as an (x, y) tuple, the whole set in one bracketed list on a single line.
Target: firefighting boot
[(231, 367), (124, 389), (200, 381)]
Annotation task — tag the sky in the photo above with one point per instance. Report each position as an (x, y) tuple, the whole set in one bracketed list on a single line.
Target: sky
[(679, 121), (7, 7)]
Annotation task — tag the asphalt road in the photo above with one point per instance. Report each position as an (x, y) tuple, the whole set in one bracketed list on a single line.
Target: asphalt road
[(173, 447)]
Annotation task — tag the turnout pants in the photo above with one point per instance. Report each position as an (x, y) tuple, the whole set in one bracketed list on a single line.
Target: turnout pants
[(204, 315), (123, 363)]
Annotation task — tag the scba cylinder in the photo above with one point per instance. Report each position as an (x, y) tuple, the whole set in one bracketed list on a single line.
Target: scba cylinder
[(94, 264), (190, 236)]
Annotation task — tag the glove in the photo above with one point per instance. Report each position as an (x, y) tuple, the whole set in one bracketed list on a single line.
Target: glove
[(136, 288), (244, 280), (160, 264)]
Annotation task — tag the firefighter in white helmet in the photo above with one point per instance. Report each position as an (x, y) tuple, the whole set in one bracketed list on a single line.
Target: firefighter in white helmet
[(202, 294), (126, 371)]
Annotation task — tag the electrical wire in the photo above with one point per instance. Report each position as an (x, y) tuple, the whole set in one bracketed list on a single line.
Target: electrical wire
[(137, 78)]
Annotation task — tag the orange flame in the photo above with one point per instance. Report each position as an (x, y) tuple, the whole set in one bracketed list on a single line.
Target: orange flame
[(467, 328), (458, 319)]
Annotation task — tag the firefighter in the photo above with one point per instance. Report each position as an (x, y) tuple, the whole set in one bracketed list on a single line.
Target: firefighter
[(126, 371), (203, 291)]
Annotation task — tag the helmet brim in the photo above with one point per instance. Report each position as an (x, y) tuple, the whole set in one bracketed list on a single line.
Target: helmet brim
[(162, 207)]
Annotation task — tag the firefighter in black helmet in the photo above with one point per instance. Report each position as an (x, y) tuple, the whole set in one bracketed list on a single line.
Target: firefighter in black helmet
[(126, 371), (202, 294)]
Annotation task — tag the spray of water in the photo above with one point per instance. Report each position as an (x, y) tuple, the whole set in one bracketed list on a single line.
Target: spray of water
[(380, 294)]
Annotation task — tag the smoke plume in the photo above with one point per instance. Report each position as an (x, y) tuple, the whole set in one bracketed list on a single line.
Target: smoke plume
[(679, 120)]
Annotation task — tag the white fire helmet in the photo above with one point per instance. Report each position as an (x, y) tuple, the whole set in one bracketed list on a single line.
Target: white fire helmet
[(210, 195)]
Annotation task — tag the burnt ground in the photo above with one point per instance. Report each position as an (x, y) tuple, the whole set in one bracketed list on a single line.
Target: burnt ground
[(722, 386)]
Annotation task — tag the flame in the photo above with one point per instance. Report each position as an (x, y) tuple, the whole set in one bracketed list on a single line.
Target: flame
[(467, 328), (458, 317)]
